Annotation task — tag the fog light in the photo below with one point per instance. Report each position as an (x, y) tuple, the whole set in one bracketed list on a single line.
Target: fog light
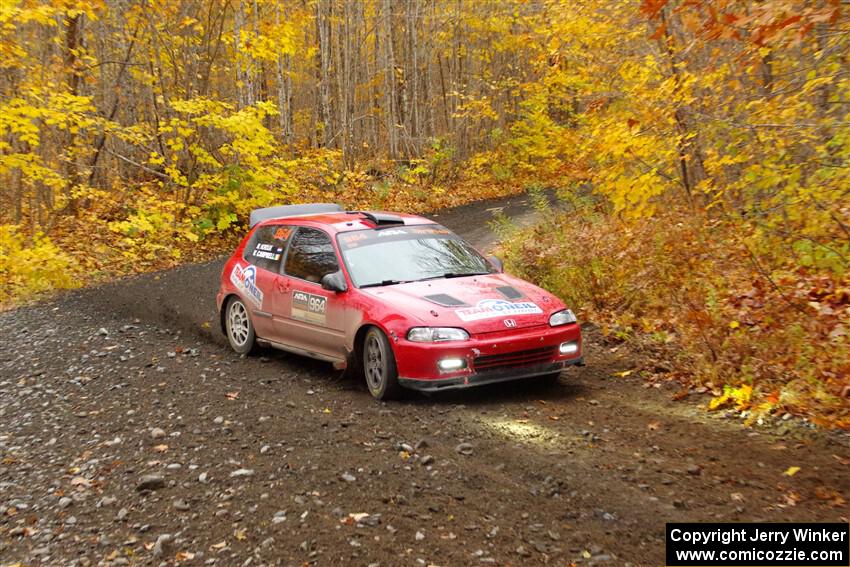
[(447, 364), (568, 348)]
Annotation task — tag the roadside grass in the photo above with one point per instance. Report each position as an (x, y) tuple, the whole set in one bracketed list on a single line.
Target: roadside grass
[(760, 334)]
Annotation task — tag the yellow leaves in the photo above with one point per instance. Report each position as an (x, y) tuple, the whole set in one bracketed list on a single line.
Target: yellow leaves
[(225, 221), (189, 22), (155, 159), (740, 396), (791, 471), (174, 144), (176, 175), (20, 118), (266, 47), (32, 267), (640, 72), (475, 109)]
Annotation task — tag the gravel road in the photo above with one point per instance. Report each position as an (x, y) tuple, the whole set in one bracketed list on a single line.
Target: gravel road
[(130, 435)]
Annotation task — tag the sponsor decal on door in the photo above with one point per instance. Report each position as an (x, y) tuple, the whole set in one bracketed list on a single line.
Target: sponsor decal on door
[(309, 307), (489, 308), (245, 280)]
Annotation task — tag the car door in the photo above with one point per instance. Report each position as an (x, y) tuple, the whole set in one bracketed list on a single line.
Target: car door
[(263, 253), (305, 315)]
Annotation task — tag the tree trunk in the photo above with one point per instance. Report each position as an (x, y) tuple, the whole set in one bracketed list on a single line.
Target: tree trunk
[(323, 29), (284, 89), (72, 45), (389, 82)]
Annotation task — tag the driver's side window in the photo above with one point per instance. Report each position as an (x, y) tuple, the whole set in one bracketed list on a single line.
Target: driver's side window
[(311, 255)]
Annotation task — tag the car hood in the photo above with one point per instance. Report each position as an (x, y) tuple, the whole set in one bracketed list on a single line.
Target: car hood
[(479, 304)]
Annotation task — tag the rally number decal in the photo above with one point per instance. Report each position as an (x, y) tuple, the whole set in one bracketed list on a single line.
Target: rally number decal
[(309, 307)]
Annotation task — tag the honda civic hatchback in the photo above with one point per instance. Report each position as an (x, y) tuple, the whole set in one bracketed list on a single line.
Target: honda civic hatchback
[(397, 298)]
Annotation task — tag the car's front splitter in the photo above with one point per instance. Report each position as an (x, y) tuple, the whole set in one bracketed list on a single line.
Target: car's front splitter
[(488, 376)]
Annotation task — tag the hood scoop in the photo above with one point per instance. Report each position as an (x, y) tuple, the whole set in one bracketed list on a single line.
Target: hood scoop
[(445, 300), (509, 292)]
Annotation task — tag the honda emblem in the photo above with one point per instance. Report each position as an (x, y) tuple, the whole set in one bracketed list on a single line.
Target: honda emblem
[(510, 323)]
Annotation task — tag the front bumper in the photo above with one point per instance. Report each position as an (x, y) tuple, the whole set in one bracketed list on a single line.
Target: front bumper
[(488, 376), (488, 358)]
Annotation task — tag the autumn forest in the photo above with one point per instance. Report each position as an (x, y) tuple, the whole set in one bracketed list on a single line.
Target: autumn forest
[(699, 151)]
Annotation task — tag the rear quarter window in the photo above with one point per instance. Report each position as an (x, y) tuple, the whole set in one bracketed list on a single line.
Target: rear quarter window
[(266, 246)]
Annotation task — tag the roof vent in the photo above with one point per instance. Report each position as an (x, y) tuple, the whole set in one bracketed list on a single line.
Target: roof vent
[(380, 219)]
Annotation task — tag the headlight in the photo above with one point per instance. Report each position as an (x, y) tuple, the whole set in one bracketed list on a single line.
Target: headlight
[(436, 334), (562, 318)]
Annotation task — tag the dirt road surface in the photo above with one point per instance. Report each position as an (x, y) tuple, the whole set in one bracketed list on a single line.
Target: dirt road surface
[(130, 435)]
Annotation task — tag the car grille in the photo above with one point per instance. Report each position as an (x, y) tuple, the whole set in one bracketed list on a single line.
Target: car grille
[(518, 358)]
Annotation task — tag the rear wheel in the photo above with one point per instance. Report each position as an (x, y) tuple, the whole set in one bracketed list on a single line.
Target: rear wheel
[(240, 329), (379, 366)]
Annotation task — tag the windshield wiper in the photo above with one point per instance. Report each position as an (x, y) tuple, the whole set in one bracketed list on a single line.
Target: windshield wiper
[(449, 275), (382, 283)]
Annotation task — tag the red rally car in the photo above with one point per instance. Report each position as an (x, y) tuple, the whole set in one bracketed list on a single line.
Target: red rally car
[(398, 296)]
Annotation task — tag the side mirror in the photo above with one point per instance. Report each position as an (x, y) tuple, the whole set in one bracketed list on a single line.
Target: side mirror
[(335, 282), (497, 263)]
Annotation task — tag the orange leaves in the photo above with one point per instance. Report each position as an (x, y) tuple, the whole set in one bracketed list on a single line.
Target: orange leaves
[(768, 23), (830, 496), (659, 32), (652, 7), (691, 295)]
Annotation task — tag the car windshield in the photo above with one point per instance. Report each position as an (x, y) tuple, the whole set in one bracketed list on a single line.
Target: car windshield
[(392, 255)]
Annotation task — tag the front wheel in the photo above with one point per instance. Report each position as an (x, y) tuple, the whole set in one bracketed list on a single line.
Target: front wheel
[(240, 329), (379, 366)]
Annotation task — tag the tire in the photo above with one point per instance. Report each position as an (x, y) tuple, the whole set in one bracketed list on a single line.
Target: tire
[(238, 326), (379, 366)]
